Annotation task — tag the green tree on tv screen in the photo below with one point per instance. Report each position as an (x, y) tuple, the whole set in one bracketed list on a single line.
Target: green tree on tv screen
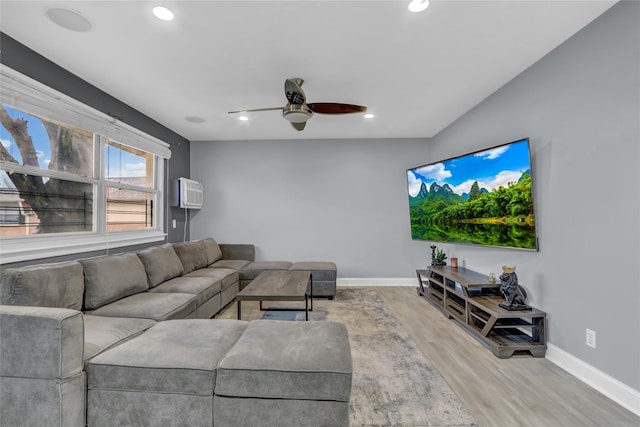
[(483, 198)]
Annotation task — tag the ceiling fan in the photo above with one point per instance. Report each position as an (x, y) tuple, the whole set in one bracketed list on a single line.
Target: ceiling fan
[(298, 111)]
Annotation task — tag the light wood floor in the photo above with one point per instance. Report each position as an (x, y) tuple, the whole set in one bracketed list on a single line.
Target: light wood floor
[(521, 391)]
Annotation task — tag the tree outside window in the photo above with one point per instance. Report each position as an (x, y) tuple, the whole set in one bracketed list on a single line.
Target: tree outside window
[(48, 183)]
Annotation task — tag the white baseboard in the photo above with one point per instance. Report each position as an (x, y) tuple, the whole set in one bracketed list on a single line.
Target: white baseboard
[(377, 281), (615, 390), (620, 393)]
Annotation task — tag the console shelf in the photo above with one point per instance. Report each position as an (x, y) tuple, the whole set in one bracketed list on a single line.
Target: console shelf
[(469, 298)]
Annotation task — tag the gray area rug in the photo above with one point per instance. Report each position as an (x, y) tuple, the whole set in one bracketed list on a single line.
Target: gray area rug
[(394, 384)]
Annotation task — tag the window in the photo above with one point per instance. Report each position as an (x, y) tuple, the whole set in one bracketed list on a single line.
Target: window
[(72, 179), (129, 175), (45, 169)]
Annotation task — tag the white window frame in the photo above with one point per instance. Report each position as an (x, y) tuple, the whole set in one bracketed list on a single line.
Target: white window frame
[(23, 93)]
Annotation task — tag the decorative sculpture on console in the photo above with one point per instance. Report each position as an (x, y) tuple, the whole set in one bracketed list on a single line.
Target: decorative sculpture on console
[(514, 294)]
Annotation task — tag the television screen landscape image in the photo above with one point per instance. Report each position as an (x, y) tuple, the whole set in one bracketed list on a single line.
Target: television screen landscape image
[(480, 198)]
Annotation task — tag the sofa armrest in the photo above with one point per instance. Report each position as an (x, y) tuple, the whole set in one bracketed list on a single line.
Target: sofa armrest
[(238, 251), (41, 342)]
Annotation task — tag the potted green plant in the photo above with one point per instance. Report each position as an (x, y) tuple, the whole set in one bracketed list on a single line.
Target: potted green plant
[(440, 258)]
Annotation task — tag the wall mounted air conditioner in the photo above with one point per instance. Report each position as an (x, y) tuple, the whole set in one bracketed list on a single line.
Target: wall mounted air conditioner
[(187, 194)]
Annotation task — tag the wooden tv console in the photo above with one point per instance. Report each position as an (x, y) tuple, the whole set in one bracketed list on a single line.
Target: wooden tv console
[(469, 298)]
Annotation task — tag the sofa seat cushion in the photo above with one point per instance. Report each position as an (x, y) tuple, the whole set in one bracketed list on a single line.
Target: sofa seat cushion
[(102, 333), (193, 255), (150, 305), (252, 270), (214, 253), (234, 264), (45, 285), (226, 276), (112, 277), (204, 287), (161, 264), (176, 356), (288, 360)]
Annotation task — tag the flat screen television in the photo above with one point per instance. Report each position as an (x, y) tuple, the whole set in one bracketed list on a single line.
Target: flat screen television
[(480, 198)]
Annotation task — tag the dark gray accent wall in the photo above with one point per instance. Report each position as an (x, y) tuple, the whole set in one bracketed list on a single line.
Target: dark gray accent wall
[(346, 201), (20, 58)]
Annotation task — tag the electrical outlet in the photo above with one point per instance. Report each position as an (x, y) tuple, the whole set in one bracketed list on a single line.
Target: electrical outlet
[(175, 223), (591, 338)]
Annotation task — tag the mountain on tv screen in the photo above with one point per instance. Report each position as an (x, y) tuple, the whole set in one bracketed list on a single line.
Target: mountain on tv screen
[(480, 198)]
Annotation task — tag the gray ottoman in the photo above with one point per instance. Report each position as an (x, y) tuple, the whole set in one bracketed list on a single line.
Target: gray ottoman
[(283, 373), (164, 377), (324, 276), (253, 270)]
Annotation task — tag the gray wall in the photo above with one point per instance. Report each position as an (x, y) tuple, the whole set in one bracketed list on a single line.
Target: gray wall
[(22, 59), (580, 105), (346, 201), (335, 200)]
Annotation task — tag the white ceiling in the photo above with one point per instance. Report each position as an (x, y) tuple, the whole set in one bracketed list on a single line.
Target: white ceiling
[(417, 72)]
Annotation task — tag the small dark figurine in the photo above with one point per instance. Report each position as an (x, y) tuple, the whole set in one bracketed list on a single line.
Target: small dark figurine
[(433, 254), (513, 293)]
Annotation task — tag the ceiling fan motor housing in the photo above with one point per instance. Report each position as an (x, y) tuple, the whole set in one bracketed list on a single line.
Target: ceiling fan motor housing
[(297, 113)]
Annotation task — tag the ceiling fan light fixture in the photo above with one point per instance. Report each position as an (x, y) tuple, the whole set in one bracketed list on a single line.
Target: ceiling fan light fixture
[(418, 5), (243, 118), (369, 116), (163, 13), (297, 113), (297, 117)]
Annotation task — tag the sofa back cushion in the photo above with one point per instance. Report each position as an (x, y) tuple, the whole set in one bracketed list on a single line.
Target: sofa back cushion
[(214, 253), (46, 285), (161, 264), (193, 255), (112, 277)]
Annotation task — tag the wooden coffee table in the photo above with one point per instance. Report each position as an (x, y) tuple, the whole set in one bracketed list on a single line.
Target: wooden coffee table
[(280, 286)]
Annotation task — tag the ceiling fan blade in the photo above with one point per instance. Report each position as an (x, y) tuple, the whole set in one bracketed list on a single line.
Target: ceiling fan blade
[(298, 126), (293, 91), (256, 109), (335, 108)]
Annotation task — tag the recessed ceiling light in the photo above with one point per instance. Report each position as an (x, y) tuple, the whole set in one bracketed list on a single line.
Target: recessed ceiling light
[(369, 116), (69, 19), (194, 119), (243, 118), (418, 5), (163, 13)]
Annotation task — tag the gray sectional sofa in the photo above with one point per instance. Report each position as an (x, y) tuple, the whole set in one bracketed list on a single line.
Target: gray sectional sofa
[(128, 339)]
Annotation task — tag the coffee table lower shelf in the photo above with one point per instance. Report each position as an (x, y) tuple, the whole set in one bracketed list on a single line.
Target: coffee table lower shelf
[(279, 286)]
